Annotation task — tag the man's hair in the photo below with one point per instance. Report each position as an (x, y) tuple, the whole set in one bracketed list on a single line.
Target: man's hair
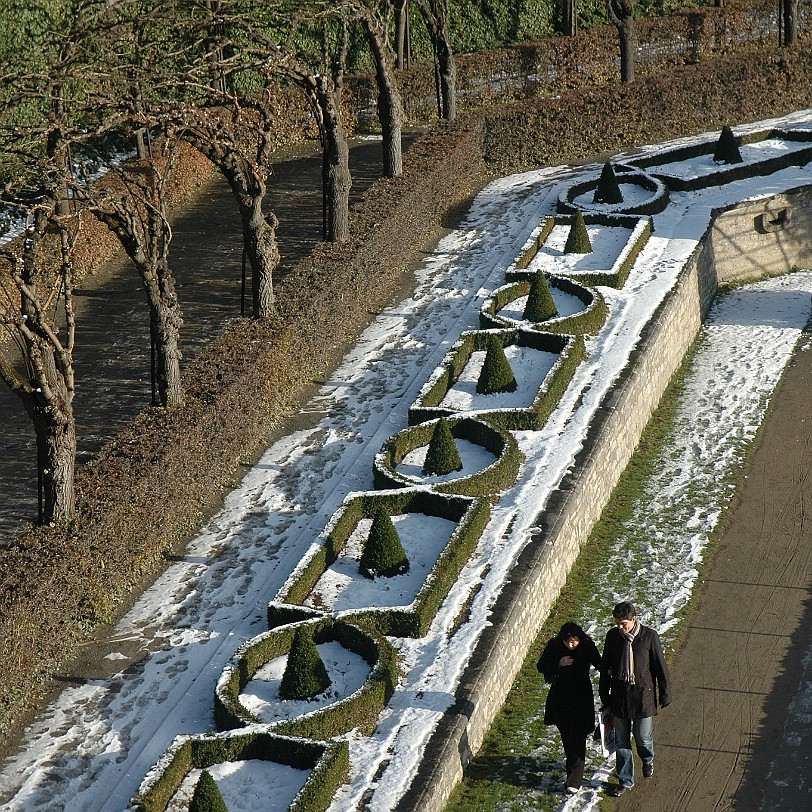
[(624, 611)]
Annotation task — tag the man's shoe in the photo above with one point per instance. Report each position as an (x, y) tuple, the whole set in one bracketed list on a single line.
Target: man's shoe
[(617, 790), (648, 769)]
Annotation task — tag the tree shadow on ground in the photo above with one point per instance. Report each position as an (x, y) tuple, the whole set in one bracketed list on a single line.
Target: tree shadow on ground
[(779, 764)]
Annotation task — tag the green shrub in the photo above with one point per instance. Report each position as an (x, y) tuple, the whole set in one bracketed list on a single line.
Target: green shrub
[(383, 554), (607, 190), (207, 797), (442, 456), (305, 674), (727, 148), (540, 305), (578, 238), (496, 374)]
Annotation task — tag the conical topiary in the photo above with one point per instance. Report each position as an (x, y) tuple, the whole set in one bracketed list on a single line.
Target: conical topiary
[(727, 148), (540, 305), (578, 238), (608, 189), (442, 456), (383, 554), (496, 374), (305, 675), (207, 797)]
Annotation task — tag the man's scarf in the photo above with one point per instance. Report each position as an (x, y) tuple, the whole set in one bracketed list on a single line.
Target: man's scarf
[(626, 672)]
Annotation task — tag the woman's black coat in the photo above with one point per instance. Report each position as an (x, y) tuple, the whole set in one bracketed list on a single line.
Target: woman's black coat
[(570, 700)]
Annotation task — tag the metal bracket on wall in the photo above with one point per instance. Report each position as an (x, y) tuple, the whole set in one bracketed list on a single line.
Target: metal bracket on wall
[(771, 221)]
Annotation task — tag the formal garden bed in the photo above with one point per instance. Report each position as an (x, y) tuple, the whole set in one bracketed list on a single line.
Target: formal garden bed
[(698, 165), (361, 667), (489, 458), (637, 193), (579, 309), (438, 533), (615, 241), (300, 774), (542, 363), (349, 609)]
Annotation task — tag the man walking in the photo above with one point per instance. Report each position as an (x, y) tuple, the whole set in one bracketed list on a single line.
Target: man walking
[(634, 681)]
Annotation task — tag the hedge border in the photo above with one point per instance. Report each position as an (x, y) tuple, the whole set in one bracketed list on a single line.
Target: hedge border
[(329, 763), (570, 350), (657, 202), (728, 174), (586, 322), (641, 227), (497, 476), (359, 710), (471, 514), (528, 254)]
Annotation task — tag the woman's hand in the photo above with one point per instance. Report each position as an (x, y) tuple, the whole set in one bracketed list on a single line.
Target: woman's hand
[(565, 660)]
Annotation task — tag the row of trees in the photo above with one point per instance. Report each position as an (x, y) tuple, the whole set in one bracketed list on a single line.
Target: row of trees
[(161, 75)]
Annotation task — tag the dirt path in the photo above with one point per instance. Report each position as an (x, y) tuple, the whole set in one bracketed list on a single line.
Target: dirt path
[(743, 658)]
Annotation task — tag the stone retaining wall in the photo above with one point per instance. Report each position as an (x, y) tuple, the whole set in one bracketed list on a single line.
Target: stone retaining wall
[(541, 570), (764, 236)]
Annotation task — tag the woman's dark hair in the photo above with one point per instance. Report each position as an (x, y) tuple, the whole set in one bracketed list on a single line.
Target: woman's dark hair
[(573, 630)]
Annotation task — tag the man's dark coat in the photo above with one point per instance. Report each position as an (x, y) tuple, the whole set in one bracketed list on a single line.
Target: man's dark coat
[(652, 683)]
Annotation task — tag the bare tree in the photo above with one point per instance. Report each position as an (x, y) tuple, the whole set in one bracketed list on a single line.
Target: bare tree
[(436, 15), (322, 85), (271, 49), (621, 15), (133, 203), (33, 294), (376, 19), (42, 108), (236, 135)]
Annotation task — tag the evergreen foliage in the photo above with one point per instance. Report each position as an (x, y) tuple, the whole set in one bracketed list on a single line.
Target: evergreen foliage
[(578, 238), (442, 456), (607, 190), (540, 305), (727, 148), (496, 374), (305, 674), (207, 797), (383, 554)]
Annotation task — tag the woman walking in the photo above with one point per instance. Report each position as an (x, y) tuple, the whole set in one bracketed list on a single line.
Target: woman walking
[(565, 663)]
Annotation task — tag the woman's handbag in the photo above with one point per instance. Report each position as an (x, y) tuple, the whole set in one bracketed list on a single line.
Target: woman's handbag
[(605, 732)]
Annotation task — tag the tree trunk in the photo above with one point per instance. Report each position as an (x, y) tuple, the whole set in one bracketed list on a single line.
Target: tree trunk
[(569, 18), (435, 13), (248, 185), (621, 15), (259, 237), (448, 78), (336, 164), (390, 104), (401, 34), (46, 386), (56, 454), (790, 13), (628, 47), (165, 321)]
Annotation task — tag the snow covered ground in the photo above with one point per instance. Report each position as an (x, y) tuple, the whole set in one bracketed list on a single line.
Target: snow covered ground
[(92, 747)]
